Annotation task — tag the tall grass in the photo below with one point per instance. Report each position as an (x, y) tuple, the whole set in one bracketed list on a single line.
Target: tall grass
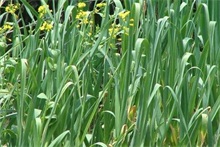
[(150, 80)]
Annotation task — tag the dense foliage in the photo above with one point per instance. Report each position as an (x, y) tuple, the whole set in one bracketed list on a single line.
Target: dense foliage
[(145, 75)]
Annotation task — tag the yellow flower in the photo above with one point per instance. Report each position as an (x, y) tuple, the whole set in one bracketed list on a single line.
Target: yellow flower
[(119, 39), (46, 26), (81, 5), (101, 5), (114, 30), (7, 27), (123, 15), (42, 10), (85, 21), (131, 22), (12, 8), (81, 14)]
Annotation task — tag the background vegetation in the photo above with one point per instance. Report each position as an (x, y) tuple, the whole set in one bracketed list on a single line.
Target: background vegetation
[(148, 75)]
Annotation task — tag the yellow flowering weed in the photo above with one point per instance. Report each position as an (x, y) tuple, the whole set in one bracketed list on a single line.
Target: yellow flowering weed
[(12, 8), (81, 5), (46, 26)]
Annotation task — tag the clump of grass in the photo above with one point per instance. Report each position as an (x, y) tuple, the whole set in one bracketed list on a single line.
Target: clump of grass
[(147, 75)]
